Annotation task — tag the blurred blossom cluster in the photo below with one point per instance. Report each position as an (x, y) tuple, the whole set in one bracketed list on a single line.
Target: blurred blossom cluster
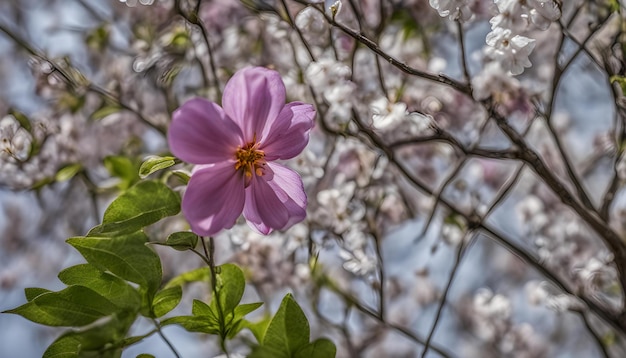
[(464, 175)]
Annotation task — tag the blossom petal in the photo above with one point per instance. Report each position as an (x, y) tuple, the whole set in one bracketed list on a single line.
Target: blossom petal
[(289, 132), (201, 133), (289, 183), (275, 204), (253, 96), (214, 198)]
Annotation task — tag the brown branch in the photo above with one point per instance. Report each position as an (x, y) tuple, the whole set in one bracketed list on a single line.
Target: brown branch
[(67, 78), (441, 79), (475, 221)]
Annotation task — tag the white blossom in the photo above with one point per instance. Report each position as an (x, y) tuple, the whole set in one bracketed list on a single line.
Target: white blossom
[(420, 123), (539, 293), (451, 234), (494, 81), (15, 141), (386, 114), (310, 20), (327, 72), (510, 50), (452, 9), (332, 79), (519, 14), (532, 213), (333, 7), (340, 98), (336, 207), (596, 274), (491, 313), (358, 262)]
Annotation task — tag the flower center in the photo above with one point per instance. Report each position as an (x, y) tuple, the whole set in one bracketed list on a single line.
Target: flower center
[(250, 159)]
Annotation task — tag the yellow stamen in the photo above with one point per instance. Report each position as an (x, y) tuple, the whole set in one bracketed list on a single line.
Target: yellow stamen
[(250, 159)]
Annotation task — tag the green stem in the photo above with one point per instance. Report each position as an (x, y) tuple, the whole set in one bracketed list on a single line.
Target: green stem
[(210, 255)]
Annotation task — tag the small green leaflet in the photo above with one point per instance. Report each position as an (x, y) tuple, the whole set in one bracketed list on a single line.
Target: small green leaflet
[(155, 163)]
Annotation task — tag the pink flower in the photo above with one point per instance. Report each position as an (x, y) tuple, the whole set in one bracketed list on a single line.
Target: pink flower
[(234, 148)]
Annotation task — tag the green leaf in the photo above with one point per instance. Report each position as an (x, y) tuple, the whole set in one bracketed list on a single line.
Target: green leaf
[(21, 118), (236, 321), (321, 348), (124, 256), (69, 101), (258, 328), (73, 306), (167, 78), (41, 183), (68, 172), (267, 352), (166, 300), (182, 241), (111, 287), (66, 346), (123, 168), (145, 355), (32, 292), (98, 38), (142, 205), (155, 163), (129, 341), (230, 286), (202, 274), (608, 339), (614, 5), (621, 81), (287, 335), (244, 309), (103, 339), (222, 311), (200, 308), (182, 175), (289, 330), (105, 111), (193, 324)]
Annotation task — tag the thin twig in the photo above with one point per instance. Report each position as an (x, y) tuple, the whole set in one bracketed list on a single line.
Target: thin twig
[(608, 316), (558, 75), (442, 79), (610, 237), (460, 253), (464, 64), (69, 80), (164, 338), (596, 337), (373, 314), (300, 35), (194, 19)]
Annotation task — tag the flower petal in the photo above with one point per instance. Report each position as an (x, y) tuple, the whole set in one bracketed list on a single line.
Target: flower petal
[(253, 96), (291, 184), (214, 198), (289, 133), (201, 133), (275, 204)]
